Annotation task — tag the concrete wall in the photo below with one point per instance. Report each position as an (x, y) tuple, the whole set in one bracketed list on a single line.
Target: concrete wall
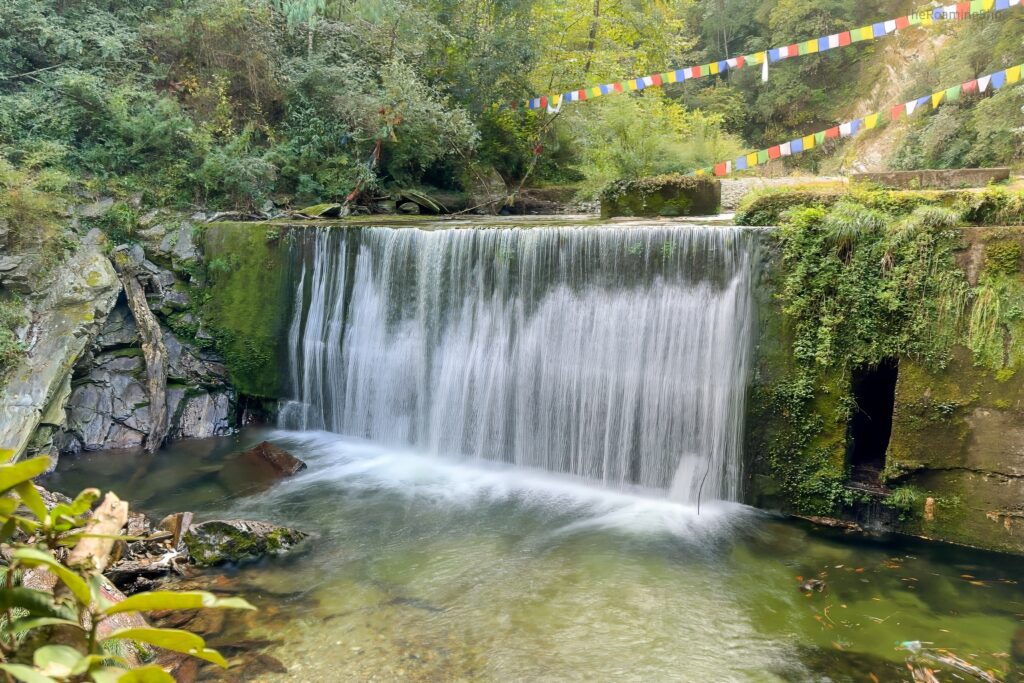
[(958, 431)]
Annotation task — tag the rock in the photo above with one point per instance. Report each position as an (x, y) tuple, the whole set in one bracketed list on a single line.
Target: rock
[(138, 524), (258, 468), (179, 245), (411, 208), (207, 622), (18, 273), (52, 499), (97, 208), (119, 329), (281, 460), (176, 524), (321, 211), (223, 541), (118, 622), (199, 416), (65, 321)]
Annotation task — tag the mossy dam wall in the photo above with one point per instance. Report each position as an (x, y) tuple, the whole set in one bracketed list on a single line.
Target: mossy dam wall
[(909, 418)]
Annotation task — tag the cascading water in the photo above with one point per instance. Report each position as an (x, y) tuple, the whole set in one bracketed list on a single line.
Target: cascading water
[(615, 354)]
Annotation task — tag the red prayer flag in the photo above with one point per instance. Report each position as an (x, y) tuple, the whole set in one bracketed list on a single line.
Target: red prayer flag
[(902, 23), (543, 102), (970, 86), (740, 62), (618, 87), (898, 110), (720, 169), (696, 72), (793, 50), (844, 38), (656, 78), (774, 152), (832, 133), (963, 10)]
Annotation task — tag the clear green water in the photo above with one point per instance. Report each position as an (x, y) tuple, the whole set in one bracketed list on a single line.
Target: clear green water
[(435, 570)]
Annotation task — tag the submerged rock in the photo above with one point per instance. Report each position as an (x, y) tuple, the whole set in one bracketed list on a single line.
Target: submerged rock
[(278, 458), (258, 468), (233, 540)]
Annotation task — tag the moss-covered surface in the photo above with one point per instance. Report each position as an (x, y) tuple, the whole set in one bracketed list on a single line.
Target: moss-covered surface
[(666, 195), (991, 206), (847, 286), (246, 305), (231, 541)]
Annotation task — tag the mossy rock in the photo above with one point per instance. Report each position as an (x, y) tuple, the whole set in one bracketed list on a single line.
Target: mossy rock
[(665, 195), (249, 303), (231, 541)]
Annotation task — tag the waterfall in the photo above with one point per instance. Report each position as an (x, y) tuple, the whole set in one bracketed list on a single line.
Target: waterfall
[(616, 354)]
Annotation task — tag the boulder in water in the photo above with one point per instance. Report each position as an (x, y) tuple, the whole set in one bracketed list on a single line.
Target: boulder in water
[(259, 468), (233, 540), (281, 460)]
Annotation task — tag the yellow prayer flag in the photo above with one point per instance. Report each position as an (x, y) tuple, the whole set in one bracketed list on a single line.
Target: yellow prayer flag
[(631, 84), (937, 98), (986, 5), (808, 142), (812, 46), (712, 68), (668, 77), (870, 121), (594, 92), (926, 18), (1013, 74), (752, 159)]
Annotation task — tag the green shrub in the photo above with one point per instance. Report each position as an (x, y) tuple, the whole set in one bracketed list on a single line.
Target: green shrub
[(76, 607), (12, 316), (767, 206), (1003, 257)]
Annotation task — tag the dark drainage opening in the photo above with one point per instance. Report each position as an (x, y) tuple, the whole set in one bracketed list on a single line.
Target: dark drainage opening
[(874, 393)]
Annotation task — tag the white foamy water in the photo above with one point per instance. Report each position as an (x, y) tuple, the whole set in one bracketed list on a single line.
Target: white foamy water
[(618, 355)]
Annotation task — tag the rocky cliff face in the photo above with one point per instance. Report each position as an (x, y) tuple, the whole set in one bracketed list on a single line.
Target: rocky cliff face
[(82, 383), (65, 316)]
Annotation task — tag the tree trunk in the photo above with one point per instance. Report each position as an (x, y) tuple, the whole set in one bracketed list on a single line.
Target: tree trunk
[(153, 350), (592, 36)]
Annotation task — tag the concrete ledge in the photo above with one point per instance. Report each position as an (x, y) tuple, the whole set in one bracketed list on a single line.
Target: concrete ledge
[(942, 180)]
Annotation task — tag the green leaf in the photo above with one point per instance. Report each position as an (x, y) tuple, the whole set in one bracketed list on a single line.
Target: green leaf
[(30, 557), (26, 674), (171, 639), (8, 505), (160, 600), (22, 625), (7, 530), (107, 674), (32, 500), (56, 660), (147, 674), (82, 503), (36, 603), (26, 470)]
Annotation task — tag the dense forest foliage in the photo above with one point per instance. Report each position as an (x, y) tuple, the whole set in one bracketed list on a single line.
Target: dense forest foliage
[(234, 103)]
